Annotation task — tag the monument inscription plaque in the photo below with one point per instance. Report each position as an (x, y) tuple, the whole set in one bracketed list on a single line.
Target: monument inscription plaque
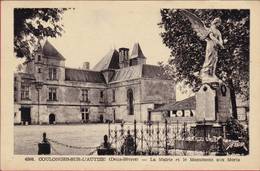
[(205, 104)]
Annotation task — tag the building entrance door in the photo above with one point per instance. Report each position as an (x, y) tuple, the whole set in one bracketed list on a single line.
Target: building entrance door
[(26, 115), (51, 118), (101, 118)]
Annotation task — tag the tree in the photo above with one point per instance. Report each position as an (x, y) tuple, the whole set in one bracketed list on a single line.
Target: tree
[(32, 25), (188, 51), (235, 130)]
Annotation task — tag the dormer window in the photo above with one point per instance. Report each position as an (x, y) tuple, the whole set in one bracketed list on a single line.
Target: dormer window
[(52, 73)]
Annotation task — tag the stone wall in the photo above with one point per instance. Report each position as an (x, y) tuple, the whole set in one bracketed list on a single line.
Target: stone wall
[(146, 94), (157, 91), (63, 114)]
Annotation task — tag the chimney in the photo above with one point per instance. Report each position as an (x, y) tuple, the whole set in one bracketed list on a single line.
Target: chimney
[(123, 57), (86, 65)]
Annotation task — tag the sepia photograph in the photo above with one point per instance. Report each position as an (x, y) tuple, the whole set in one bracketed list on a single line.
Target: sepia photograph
[(131, 82), (129, 85)]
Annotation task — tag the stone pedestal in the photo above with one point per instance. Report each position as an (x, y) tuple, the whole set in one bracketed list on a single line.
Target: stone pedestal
[(208, 130), (213, 103)]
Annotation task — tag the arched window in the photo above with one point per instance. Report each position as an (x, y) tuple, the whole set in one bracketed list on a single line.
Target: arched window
[(130, 101)]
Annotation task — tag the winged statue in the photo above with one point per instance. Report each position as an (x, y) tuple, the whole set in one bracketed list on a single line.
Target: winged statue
[(214, 41)]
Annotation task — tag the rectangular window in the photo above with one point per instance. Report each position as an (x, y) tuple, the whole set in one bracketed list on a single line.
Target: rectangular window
[(53, 73), (84, 114), (101, 94), (52, 94), (101, 97), (84, 95), (113, 95), (25, 92)]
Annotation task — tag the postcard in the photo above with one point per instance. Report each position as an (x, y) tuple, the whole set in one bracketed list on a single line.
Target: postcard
[(130, 85)]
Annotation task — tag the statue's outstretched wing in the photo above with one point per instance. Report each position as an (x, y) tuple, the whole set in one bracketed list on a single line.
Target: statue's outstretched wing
[(197, 25)]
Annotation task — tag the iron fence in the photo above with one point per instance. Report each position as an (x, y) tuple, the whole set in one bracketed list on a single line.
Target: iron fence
[(154, 138), (162, 138)]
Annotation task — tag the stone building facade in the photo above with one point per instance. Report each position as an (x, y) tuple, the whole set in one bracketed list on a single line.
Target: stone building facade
[(121, 87)]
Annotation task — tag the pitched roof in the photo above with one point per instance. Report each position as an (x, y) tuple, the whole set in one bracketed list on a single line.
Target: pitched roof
[(139, 71), (83, 76), (109, 61), (50, 51), (137, 52), (128, 73), (153, 71), (189, 103)]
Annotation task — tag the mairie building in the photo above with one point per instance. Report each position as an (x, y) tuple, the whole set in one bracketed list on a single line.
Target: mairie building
[(120, 87)]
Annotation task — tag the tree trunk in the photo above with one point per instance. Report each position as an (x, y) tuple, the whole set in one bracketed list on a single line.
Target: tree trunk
[(233, 99)]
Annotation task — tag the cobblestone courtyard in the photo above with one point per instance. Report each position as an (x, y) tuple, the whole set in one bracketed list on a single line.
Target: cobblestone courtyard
[(26, 138)]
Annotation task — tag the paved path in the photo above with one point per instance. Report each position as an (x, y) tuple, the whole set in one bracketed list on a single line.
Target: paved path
[(26, 138)]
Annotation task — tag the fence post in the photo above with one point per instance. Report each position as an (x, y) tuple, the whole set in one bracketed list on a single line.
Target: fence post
[(184, 133), (150, 138), (194, 134), (116, 137), (142, 138), (175, 137), (185, 146), (149, 129), (158, 138), (135, 136), (204, 126), (122, 129), (166, 138), (109, 131), (177, 127)]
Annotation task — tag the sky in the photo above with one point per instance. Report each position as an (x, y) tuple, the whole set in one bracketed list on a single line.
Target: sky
[(90, 33)]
